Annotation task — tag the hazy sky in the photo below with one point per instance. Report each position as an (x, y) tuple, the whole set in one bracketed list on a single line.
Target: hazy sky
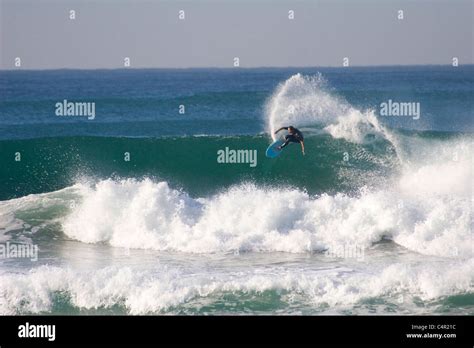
[(214, 32)]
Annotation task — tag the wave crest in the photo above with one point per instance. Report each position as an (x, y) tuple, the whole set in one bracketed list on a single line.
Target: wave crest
[(148, 215)]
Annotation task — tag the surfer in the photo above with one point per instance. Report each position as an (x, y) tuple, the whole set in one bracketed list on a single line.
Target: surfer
[(293, 136)]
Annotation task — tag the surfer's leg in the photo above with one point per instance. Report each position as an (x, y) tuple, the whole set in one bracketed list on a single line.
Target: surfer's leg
[(284, 144), (287, 141)]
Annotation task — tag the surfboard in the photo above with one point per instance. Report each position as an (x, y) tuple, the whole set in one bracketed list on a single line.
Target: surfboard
[(272, 151)]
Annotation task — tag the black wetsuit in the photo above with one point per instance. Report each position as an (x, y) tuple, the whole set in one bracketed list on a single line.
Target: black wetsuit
[(295, 137)]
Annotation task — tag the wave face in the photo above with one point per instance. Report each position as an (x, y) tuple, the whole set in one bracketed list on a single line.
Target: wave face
[(371, 220), (191, 163)]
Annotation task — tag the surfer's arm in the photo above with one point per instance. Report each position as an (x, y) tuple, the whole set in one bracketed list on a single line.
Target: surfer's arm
[(302, 146), (280, 129)]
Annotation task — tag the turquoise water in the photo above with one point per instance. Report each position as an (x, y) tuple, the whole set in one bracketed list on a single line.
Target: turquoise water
[(375, 219), (189, 163)]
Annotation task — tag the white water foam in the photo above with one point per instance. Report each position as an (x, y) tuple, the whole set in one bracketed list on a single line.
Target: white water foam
[(148, 215), (165, 287)]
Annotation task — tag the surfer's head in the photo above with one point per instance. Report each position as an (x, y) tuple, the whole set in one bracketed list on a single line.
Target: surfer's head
[(291, 128)]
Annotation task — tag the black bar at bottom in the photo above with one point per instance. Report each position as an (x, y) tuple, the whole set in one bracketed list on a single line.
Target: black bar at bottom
[(139, 330)]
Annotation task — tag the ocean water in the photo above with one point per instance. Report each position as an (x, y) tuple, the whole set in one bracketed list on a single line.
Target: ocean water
[(376, 218)]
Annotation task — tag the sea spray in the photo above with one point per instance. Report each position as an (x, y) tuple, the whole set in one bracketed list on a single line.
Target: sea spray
[(309, 101)]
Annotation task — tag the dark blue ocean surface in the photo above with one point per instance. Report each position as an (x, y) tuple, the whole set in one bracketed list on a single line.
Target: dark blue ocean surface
[(217, 101)]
